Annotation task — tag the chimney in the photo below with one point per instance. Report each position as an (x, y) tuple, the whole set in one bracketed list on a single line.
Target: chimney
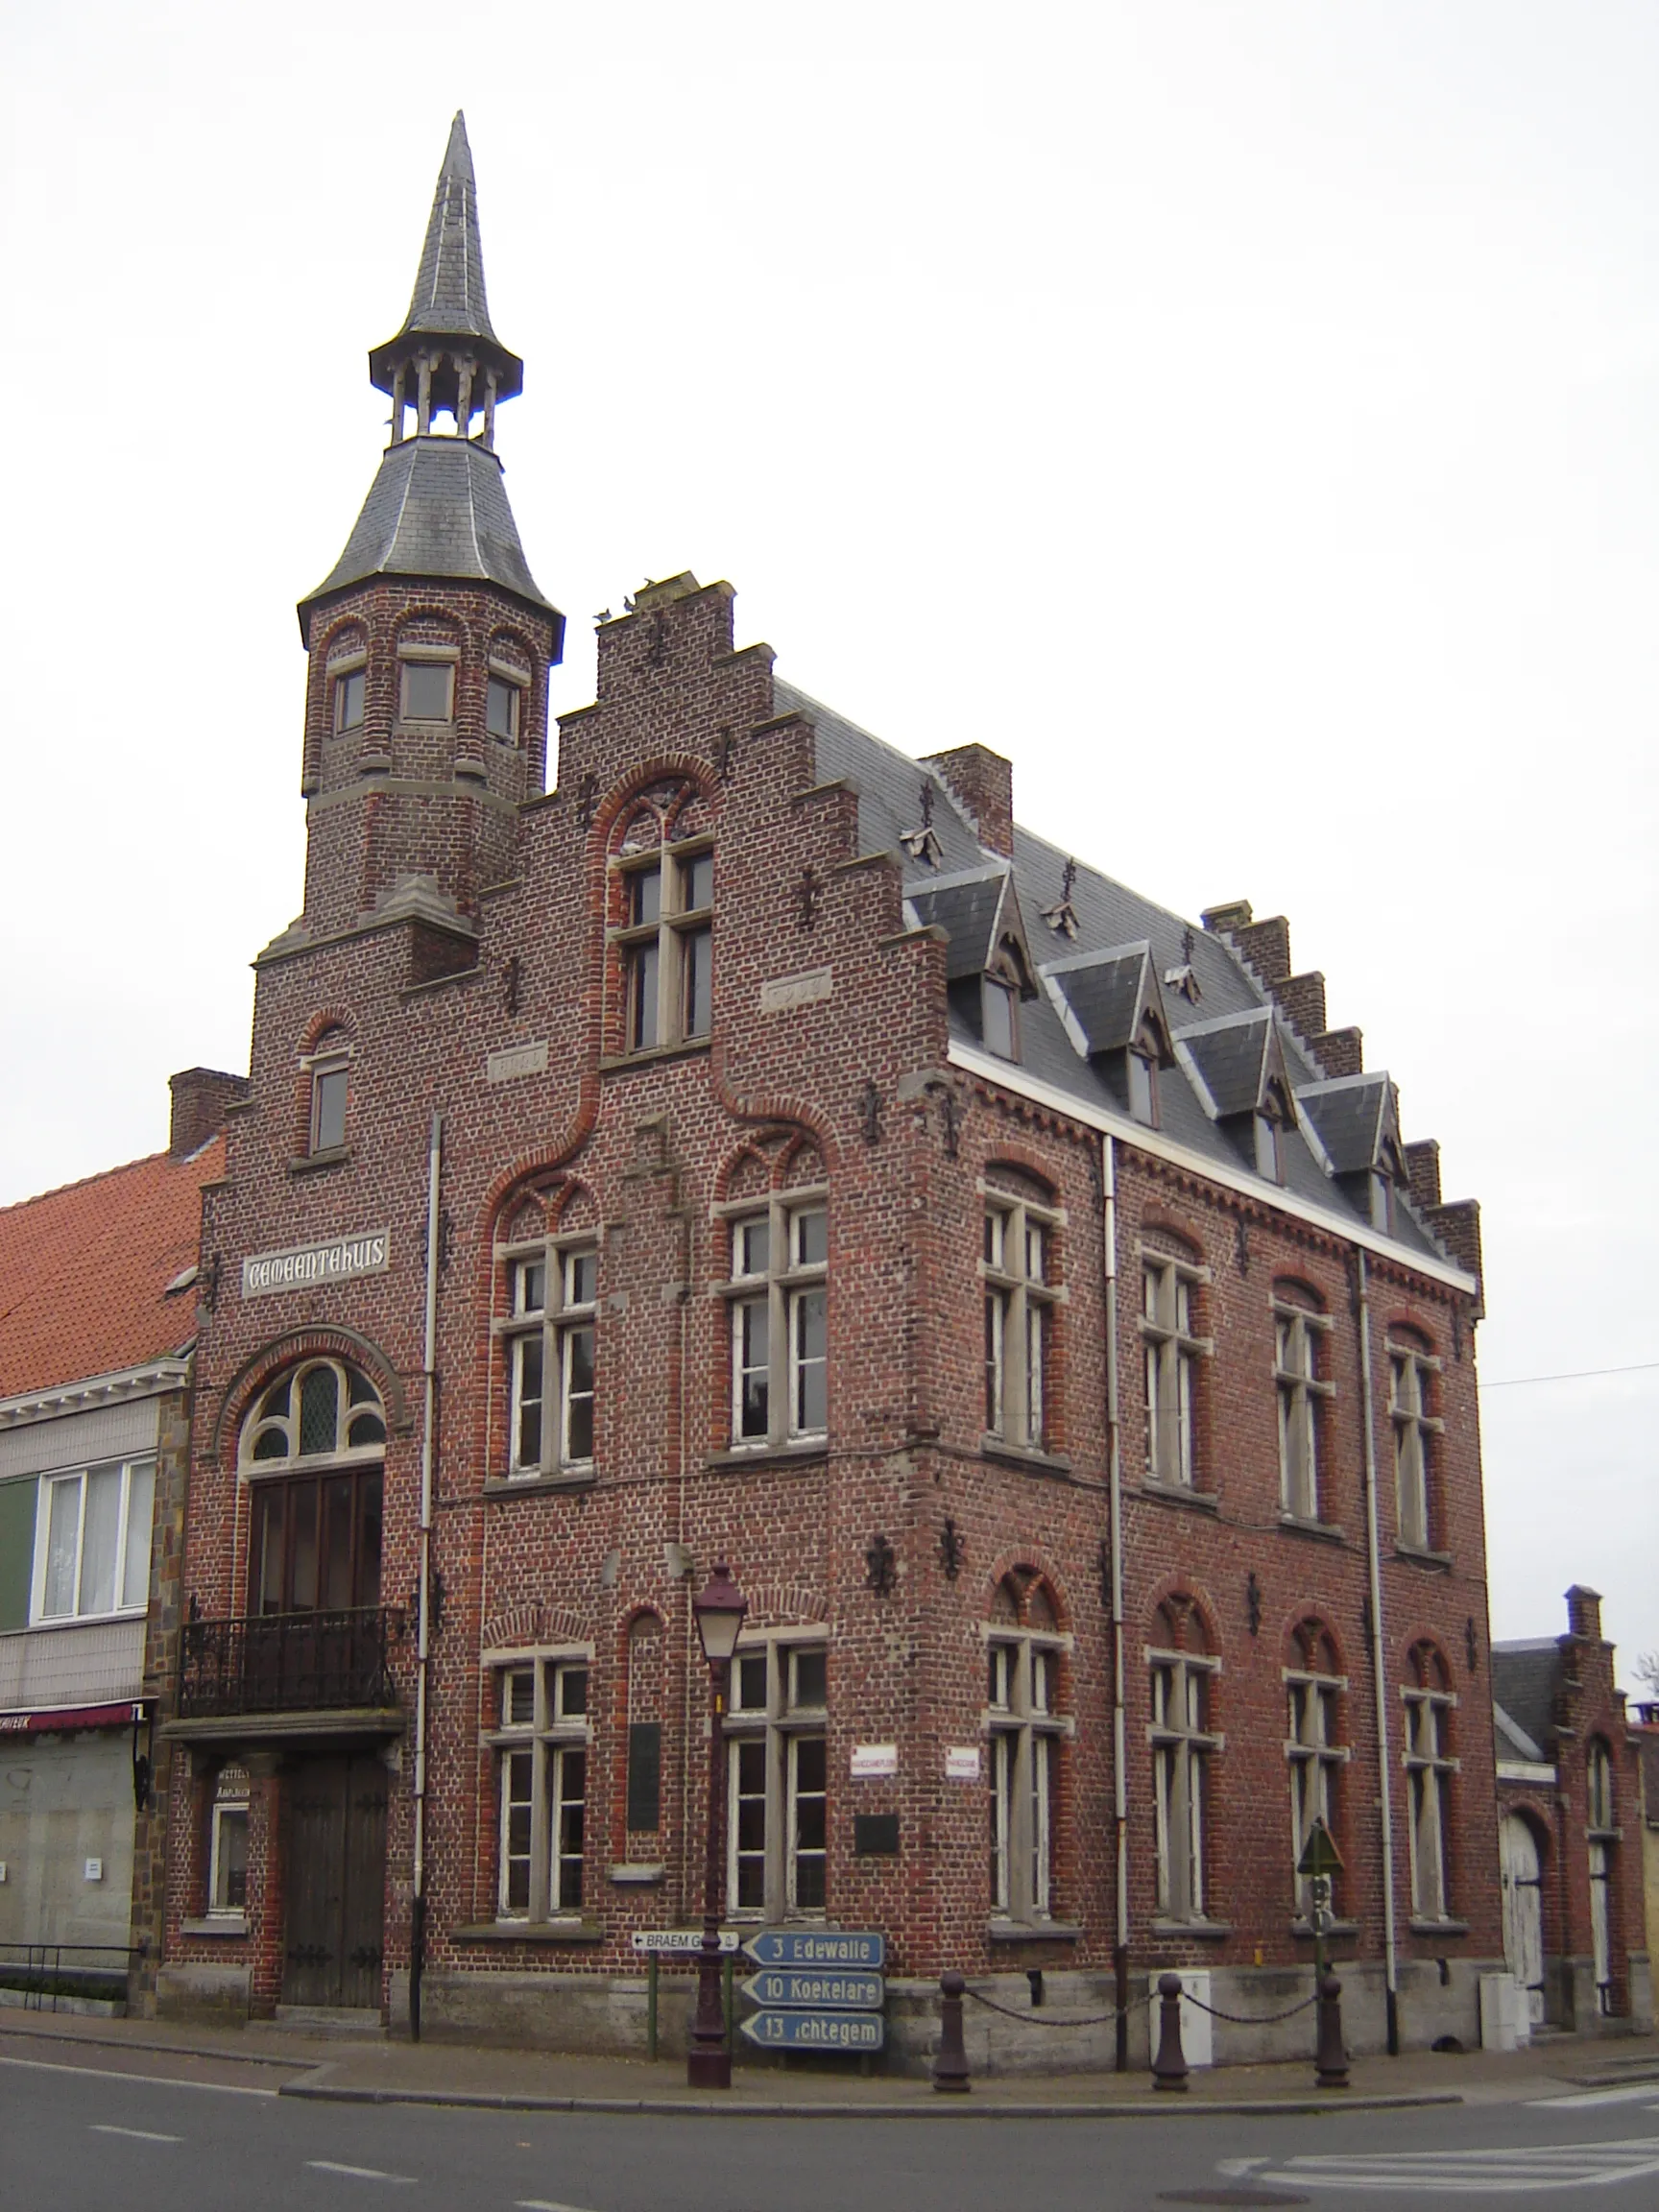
[(982, 784), (1584, 1613), (1339, 1051), (1301, 999), (1423, 1166), (202, 1096), (1222, 921)]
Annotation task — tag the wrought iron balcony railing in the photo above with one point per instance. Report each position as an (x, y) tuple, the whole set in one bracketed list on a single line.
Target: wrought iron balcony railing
[(289, 1662)]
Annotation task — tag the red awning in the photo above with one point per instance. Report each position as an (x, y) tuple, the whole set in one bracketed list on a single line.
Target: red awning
[(68, 1716)]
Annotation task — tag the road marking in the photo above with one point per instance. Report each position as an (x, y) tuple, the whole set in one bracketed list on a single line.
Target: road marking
[(358, 2173), (151, 2081), (543, 2204), (138, 2134), (1474, 2173), (1630, 2093)]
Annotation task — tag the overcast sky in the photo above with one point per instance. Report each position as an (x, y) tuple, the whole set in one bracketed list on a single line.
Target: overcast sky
[(1245, 417)]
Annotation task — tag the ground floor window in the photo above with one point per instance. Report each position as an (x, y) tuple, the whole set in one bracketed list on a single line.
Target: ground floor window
[(778, 1779), (541, 1745), (228, 1845)]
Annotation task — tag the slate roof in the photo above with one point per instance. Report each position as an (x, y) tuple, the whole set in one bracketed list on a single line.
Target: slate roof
[(449, 300), (1233, 1058), (437, 507), (1353, 1114), (1110, 920), (1525, 1679), (1106, 993), (83, 1272)]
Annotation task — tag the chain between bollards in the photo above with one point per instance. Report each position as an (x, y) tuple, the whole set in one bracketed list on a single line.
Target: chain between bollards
[(951, 2061)]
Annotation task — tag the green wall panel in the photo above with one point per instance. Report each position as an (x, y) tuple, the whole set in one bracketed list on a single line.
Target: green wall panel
[(16, 1550)]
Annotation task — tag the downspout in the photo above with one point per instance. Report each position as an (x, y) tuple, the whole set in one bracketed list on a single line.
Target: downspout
[(1379, 1671), (1119, 1731), (424, 1634)]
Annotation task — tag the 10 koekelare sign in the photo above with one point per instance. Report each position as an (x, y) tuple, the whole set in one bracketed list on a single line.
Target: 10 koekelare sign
[(302, 1266)]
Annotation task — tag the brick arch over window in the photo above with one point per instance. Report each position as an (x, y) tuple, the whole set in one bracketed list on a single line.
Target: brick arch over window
[(1425, 1663), (1297, 1290), (1313, 1647), (1172, 1234), (785, 1605), (1017, 1577), (1007, 1156), (666, 786), (1179, 1620), (514, 647), (429, 625), (531, 1624), (261, 1369)]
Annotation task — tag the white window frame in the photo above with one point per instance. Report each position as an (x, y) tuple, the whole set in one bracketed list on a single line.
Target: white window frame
[(324, 1068), (674, 933), (1019, 1305), (1022, 1720), (782, 1726), (231, 1803), (340, 674), (556, 1327), (784, 1293), (548, 1741), (1414, 1427), (1316, 1760), (1173, 1350), (1181, 1749), (1301, 1391), (142, 1468), (444, 657), (1428, 1771)]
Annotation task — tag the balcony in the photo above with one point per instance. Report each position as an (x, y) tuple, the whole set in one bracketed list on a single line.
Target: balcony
[(289, 1662)]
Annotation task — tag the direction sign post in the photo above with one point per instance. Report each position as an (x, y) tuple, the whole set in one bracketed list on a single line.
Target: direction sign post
[(860, 2031), (817, 1989), (818, 1947)]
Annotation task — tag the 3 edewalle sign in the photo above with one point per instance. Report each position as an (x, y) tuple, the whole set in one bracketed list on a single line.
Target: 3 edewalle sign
[(818, 1947), (817, 1989)]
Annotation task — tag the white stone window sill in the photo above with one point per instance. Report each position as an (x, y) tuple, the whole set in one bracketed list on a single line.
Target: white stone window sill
[(216, 1924)]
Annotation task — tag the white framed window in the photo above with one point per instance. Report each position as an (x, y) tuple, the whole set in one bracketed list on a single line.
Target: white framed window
[(1314, 1752), (779, 1297), (1183, 1742), (666, 944), (228, 1846), (92, 1542), (777, 1780), (542, 1743), (503, 705), (1428, 1771), (1173, 1351), (351, 699), (1025, 1724), (427, 689), (1301, 1389), (1020, 1300), (551, 1326), (1409, 1373)]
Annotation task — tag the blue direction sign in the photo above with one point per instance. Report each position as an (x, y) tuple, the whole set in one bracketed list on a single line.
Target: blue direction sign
[(817, 2031), (817, 1947), (816, 1988)]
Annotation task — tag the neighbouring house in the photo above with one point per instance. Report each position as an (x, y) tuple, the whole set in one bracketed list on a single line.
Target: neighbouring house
[(98, 1304), (759, 1148), (1647, 1734), (1571, 1833)]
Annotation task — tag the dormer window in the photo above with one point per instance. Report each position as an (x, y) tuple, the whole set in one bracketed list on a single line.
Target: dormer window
[(350, 695), (428, 690), (1382, 1201), (1267, 1158), (1144, 1088), (997, 1008), (501, 710)]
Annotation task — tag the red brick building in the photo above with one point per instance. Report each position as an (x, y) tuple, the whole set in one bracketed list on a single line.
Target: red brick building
[(758, 1147), (1570, 1801)]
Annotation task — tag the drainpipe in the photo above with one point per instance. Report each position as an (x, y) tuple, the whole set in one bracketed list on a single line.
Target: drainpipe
[(1119, 1732), (424, 1635), (1378, 1669)]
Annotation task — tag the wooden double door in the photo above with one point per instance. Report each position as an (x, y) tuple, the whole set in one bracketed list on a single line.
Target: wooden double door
[(335, 1864)]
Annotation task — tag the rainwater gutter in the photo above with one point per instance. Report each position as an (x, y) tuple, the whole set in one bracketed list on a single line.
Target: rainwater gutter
[(423, 1633), (1379, 1671)]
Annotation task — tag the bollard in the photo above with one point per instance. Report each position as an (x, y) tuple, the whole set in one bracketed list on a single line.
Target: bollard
[(1169, 2067), (950, 2062), (1330, 2061)]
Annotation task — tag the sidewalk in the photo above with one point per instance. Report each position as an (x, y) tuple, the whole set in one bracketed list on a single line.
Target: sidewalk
[(375, 2070)]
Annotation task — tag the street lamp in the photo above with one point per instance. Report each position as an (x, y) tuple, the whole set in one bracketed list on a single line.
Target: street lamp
[(719, 1616)]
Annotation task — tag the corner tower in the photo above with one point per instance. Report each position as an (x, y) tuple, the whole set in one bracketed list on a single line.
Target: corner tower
[(429, 641)]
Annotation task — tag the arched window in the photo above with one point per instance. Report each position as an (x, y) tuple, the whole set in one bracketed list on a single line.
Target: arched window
[(1315, 1686), (664, 935), (1025, 1724), (1301, 1361), (1183, 1742), (312, 1449), (1429, 1766)]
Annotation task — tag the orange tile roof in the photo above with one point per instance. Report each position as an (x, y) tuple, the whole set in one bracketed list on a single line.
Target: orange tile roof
[(84, 1270)]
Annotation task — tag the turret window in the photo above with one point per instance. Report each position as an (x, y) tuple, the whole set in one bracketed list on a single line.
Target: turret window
[(501, 710), (428, 690), (350, 694)]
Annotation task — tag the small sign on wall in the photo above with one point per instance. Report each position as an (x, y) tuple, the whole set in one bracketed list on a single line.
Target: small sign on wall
[(875, 1762), (962, 1763), (511, 1061), (783, 993), (300, 1266)]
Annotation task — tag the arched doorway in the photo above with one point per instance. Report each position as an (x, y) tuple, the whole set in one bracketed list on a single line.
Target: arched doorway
[(1523, 1909)]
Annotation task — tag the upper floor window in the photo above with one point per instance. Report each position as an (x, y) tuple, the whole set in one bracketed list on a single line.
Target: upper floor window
[(554, 1307), (350, 698), (541, 1745), (778, 1780), (778, 1296), (1183, 1742), (1023, 1721), (315, 1537), (1600, 1800), (1410, 1372), (1173, 1350), (428, 690), (1299, 1336), (1019, 1298), (92, 1542), (331, 1078), (1429, 1770), (1313, 1748), (1142, 1071), (666, 941), (502, 707)]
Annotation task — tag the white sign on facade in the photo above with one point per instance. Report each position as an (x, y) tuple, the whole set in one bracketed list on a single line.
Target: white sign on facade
[(784, 993), (875, 1762), (303, 1264), (677, 1942), (514, 1060), (962, 1763)]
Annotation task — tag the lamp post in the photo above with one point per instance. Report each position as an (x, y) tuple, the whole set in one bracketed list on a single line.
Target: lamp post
[(719, 1616)]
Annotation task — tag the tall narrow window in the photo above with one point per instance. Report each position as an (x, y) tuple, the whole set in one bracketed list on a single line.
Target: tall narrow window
[(92, 1542), (778, 1780), (1428, 1771), (1409, 1373), (350, 694), (1020, 1299), (666, 941), (1299, 1347), (1603, 1840), (1173, 1351), (542, 1743), (1181, 1742), (502, 706), (551, 1326), (228, 1845), (778, 1296), (1312, 1747), (1023, 1722)]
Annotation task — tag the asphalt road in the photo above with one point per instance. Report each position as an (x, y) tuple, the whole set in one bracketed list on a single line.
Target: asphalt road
[(214, 2137)]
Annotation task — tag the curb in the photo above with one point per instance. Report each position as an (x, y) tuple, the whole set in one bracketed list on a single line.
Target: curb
[(949, 2108), (288, 2059)]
